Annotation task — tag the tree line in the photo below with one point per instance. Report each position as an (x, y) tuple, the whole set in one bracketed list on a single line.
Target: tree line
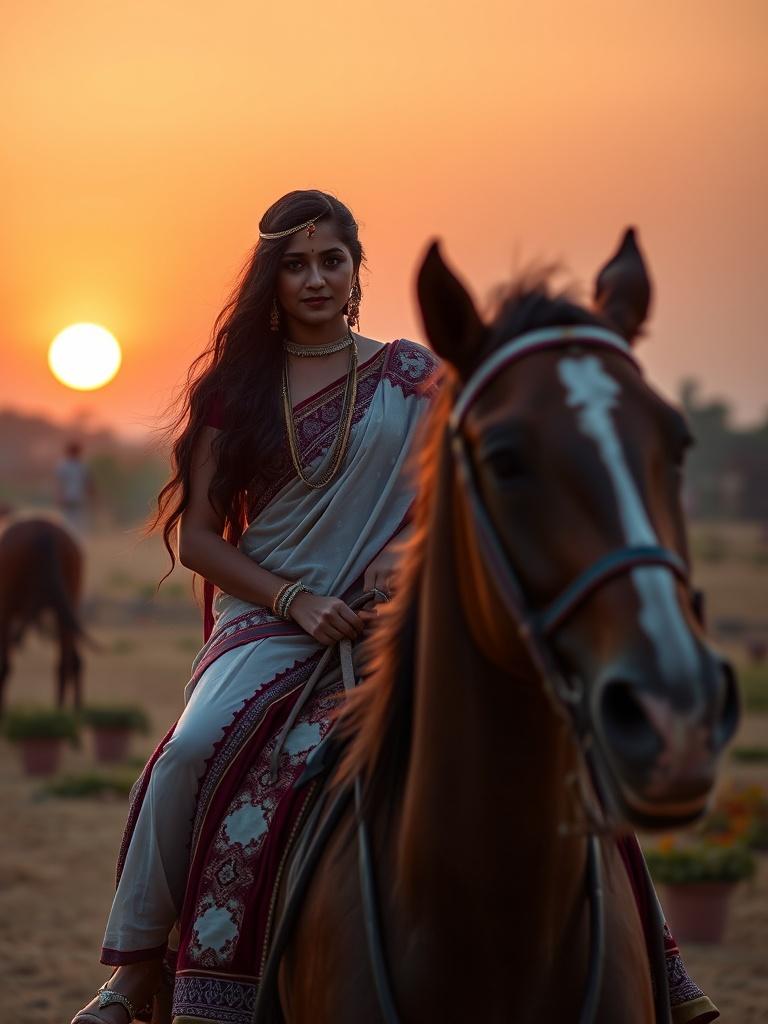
[(726, 474)]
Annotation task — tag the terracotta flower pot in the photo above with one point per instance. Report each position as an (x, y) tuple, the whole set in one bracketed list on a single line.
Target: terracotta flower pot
[(40, 756), (111, 745), (698, 911)]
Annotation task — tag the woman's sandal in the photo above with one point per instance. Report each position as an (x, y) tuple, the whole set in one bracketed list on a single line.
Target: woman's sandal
[(107, 997), (110, 997)]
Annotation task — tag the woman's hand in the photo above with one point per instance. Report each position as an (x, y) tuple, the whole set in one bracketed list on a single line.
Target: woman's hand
[(327, 619), (380, 575)]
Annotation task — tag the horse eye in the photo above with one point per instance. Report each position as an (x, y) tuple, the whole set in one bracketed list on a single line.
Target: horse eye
[(505, 463)]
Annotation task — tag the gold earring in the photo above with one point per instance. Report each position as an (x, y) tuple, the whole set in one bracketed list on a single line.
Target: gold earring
[(274, 316), (352, 308)]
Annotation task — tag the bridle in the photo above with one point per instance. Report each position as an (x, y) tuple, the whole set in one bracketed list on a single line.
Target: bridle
[(537, 626)]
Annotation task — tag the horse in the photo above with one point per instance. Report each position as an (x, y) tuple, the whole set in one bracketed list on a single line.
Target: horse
[(41, 567), (542, 683)]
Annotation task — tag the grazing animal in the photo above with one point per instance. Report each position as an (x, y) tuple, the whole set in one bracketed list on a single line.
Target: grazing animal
[(41, 568), (542, 681)]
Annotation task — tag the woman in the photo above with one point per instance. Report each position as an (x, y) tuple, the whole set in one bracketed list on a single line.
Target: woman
[(295, 434)]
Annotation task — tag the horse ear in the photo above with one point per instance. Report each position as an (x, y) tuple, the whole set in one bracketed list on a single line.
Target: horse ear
[(623, 288), (453, 326)]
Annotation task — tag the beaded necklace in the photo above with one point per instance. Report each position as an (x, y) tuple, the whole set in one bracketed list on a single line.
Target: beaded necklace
[(319, 350), (341, 441)]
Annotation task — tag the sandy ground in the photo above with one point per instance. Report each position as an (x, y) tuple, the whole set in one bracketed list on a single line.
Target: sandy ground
[(57, 856)]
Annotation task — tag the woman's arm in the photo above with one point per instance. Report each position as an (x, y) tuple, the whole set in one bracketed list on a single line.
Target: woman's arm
[(202, 549)]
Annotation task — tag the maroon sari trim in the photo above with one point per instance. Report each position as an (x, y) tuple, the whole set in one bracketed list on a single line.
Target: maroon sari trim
[(117, 957), (245, 634)]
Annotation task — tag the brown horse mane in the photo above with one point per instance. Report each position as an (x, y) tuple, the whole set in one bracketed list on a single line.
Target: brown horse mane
[(377, 718)]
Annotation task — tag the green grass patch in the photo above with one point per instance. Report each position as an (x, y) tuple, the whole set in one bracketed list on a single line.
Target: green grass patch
[(106, 716), (123, 645), (90, 784), (119, 579), (750, 755), (189, 644), (753, 682), (709, 547), (31, 723)]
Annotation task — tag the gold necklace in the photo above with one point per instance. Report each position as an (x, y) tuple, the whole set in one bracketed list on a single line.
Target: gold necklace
[(318, 350), (341, 440)]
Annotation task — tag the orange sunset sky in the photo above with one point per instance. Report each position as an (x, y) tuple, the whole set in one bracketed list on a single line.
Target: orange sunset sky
[(142, 141)]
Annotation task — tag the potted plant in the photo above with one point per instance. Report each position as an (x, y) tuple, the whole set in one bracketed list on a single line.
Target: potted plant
[(699, 874), (40, 734), (112, 728)]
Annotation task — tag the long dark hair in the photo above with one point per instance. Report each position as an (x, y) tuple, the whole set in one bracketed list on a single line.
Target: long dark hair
[(238, 374)]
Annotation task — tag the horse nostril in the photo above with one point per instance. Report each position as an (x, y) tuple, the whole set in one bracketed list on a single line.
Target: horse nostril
[(730, 710), (626, 726)]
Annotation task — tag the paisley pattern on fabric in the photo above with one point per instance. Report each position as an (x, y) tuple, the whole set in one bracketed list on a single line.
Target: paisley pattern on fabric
[(246, 723), (230, 871)]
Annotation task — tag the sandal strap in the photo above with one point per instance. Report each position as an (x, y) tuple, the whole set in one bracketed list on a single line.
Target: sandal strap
[(108, 996)]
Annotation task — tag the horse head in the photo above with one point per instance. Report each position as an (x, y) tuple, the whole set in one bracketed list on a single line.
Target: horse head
[(570, 467)]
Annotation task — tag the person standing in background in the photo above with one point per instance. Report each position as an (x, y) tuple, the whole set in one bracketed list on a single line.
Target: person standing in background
[(74, 487)]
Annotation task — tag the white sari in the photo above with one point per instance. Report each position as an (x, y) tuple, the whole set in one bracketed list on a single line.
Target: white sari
[(253, 661)]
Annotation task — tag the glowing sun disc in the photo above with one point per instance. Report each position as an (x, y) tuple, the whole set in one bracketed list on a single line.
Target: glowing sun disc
[(84, 356)]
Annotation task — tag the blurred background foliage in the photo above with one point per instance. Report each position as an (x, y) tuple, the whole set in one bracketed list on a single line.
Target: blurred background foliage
[(726, 474)]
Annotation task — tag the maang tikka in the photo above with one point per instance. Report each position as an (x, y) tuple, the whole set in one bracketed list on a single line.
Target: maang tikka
[(352, 308)]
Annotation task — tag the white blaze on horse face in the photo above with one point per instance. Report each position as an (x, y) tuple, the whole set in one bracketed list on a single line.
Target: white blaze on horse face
[(594, 393)]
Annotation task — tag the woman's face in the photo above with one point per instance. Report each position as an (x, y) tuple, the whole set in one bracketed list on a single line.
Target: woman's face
[(315, 276)]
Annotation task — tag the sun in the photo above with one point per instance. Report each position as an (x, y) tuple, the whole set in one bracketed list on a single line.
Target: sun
[(84, 356)]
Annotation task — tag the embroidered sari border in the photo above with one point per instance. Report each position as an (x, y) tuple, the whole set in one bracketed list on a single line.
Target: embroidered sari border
[(234, 740), (244, 634), (118, 958)]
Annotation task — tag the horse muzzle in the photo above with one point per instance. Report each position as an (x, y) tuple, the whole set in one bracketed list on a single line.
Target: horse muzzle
[(657, 747)]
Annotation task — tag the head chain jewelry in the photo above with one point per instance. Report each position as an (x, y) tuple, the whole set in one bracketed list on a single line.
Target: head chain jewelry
[(308, 224)]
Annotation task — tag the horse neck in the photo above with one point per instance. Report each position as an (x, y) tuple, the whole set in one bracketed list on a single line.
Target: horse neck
[(485, 795)]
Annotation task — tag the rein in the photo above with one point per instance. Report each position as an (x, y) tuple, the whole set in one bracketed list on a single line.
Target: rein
[(367, 873)]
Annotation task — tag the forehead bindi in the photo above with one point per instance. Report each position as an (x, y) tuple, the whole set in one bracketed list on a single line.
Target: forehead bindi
[(323, 241)]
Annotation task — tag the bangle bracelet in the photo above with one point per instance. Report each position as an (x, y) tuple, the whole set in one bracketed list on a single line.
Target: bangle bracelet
[(284, 598), (279, 597), (287, 600)]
